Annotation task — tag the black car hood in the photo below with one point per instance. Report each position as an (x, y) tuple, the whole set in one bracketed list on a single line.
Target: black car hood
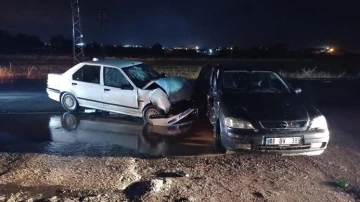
[(265, 106)]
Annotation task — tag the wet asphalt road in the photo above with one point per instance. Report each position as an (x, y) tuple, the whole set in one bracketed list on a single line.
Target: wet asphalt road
[(32, 123)]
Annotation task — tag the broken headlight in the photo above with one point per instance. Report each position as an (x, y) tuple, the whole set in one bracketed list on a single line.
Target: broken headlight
[(319, 123), (237, 123)]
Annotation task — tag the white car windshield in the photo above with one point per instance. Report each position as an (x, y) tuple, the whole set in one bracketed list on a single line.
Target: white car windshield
[(141, 74), (254, 82)]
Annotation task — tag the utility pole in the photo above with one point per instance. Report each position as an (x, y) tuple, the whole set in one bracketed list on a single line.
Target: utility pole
[(78, 44), (102, 18)]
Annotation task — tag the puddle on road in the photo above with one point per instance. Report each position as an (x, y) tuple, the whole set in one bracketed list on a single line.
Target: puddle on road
[(102, 135)]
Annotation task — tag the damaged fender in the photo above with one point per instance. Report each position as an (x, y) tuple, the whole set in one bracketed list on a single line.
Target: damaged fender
[(160, 99), (170, 90)]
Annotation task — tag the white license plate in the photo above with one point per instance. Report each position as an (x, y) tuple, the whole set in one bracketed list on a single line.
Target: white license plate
[(283, 140)]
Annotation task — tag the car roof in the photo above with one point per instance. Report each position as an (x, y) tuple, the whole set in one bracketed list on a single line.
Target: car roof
[(114, 63), (245, 67)]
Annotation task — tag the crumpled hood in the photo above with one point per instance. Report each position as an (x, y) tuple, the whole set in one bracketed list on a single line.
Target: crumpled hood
[(177, 88)]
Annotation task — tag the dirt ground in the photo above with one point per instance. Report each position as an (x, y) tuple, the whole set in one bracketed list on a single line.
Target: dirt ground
[(230, 177)]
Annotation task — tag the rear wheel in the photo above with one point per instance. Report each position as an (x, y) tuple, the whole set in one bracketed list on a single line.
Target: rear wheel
[(69, 102), (150, 111), (218, 145)]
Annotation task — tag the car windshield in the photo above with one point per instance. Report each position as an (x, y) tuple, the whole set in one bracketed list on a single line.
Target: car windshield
[(141, 74), (254, 82)]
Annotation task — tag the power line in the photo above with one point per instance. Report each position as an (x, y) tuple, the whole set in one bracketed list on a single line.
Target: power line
[(102, 17), (78, 44)]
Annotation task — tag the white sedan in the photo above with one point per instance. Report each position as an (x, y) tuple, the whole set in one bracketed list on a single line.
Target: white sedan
[(121, 86)]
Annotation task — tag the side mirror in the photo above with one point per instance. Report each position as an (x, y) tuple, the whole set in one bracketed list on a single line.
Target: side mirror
[(162, 75), (297, 90)]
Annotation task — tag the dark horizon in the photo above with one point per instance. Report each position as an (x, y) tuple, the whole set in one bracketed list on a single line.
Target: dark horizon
[(244, 24)]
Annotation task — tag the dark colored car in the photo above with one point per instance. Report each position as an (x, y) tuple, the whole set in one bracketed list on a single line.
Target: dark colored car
[(255, 109)]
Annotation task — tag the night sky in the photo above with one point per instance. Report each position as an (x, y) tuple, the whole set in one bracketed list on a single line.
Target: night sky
[(300, 23)]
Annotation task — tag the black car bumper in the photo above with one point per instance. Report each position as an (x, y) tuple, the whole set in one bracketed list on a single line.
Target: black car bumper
[(312, 142)]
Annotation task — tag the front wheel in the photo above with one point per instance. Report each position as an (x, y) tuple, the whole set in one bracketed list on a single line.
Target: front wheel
[(69, 102), (150, 111), (218, 145)]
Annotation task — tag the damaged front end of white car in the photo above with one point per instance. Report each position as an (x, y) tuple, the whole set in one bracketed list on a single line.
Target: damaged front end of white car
[(166, 101)]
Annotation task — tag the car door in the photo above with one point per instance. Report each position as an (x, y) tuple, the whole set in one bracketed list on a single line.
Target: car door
[(86, 86), (119, 95), (213, 96), (201, 86)]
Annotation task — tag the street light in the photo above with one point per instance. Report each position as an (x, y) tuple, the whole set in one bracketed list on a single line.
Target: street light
[(231, 50)]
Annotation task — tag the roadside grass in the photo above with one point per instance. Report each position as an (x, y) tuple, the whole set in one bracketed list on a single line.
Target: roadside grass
[(35, 67), (30, 72), (187, 71), (314, 73)]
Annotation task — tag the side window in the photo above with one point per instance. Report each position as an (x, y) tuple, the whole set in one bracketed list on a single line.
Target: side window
[(114, 78), (88, 73), (276, 83)]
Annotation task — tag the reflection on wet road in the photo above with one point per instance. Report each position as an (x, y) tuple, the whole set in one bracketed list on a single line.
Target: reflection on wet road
[(92, 134)]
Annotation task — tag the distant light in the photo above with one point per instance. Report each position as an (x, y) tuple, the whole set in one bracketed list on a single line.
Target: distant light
[(95, 59), (210, 51), (231, 48), (331, 50), (81, 44), (197, 47), (328, 48)]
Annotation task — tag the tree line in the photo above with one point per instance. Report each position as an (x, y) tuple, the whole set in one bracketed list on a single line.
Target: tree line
[(60, 45)]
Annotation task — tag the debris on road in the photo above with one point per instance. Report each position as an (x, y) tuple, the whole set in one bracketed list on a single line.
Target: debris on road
[(178, 173)]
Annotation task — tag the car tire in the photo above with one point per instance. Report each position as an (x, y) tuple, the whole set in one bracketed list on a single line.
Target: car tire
[(69, 121), (69, 102), (150, 111), (218, 145)]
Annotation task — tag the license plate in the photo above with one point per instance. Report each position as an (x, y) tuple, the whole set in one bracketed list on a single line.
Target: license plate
[(283, 140)]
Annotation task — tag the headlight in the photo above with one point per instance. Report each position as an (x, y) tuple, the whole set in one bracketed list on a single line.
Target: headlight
[(237, 123), (319, 123)]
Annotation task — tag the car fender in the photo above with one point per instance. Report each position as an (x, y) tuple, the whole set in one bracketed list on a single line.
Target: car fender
[(160, 99)]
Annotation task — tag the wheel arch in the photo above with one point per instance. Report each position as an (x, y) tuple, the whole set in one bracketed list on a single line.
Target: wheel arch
[(63, 92)]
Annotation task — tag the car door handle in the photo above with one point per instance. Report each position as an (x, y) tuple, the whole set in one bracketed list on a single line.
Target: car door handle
[(106, 89), (74, 84)]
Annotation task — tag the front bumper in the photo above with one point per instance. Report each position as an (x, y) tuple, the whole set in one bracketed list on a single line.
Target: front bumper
[(172, 120), (312, 142)]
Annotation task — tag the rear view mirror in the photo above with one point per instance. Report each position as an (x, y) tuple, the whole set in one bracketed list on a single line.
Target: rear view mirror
[(297, 90)]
